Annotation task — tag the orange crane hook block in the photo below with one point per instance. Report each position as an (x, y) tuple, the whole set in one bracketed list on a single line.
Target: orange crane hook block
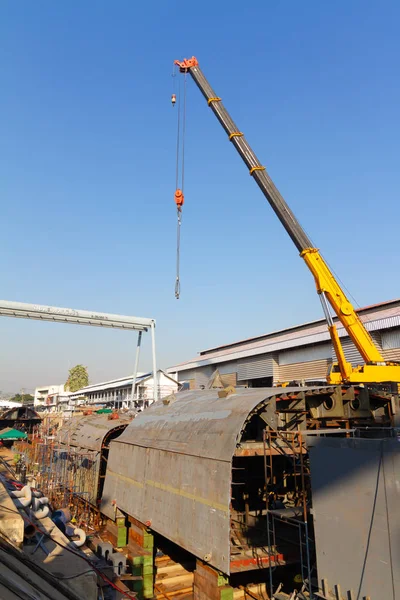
[(179, 199)]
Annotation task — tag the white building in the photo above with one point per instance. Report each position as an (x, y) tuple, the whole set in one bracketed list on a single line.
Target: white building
[(50, 397), (9, 404), (118, 392)]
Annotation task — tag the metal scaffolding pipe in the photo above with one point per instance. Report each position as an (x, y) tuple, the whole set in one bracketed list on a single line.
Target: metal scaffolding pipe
[(155, 374), (139, 341)]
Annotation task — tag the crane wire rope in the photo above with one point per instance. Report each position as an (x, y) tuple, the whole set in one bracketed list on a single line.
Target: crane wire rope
[(179, 178)]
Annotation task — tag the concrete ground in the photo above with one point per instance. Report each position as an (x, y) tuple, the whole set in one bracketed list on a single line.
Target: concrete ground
[(8, 455)]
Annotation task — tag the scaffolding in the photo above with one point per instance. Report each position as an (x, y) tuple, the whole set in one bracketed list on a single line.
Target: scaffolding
[(68, 476), (296, 519)]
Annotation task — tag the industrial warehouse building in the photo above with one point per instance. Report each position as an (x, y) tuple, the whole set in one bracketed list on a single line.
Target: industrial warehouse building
[(116, 393), (302, 353)]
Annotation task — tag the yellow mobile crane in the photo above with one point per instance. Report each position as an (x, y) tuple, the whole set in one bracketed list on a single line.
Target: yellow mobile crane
[(375, 370)]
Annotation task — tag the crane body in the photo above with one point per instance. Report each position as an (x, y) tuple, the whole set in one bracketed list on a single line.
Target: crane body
[(375, 369)]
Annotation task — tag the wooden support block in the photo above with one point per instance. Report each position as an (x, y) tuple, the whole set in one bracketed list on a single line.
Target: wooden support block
[(163, 560), (183, 580), (325, 587), (338, 594), (257, 589), (211, 590), (209, 573), (169, 569)]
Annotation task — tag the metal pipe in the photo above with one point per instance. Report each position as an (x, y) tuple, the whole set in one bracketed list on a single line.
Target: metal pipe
[(24, 496), (76, 531), (304, 493), (271, 589), (42, 512), (139, 341), (287, 513), (155, 374), (325, 308)]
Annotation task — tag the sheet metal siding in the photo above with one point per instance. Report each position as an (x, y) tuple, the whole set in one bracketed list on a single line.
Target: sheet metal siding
[(393, 354), (198, 423), (87, 432), (356, 497), (255, 367), (316, 369), (185, 498), (351, 353), (187, 375), (228, 367), (202, 376), (297, 355), (391, 339)]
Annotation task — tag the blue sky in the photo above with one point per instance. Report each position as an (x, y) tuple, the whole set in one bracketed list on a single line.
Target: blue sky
[(87, 170)]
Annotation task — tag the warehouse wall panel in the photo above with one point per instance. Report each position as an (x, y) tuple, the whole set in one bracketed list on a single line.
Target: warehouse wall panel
[(351, 353), (230, 366), (316, 369), (305, 354), (255, 367), (391, 339)]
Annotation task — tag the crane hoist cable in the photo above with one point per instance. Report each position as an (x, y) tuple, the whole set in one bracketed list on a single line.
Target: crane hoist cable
[(179, 177)]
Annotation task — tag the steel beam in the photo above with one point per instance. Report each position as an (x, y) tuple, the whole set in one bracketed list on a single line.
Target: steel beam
[(73, 316)]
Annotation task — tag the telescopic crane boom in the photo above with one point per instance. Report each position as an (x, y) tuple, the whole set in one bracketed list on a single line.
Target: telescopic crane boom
[(375, 369)]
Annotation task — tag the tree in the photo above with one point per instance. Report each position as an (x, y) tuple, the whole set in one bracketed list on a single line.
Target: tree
[(78, 378), (24, 398)]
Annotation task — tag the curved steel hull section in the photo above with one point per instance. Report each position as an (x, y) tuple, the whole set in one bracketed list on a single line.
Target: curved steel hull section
[(171, 468)]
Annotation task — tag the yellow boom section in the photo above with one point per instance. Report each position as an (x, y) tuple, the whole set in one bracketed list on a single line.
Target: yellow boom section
[(376, 369), (326, 283)]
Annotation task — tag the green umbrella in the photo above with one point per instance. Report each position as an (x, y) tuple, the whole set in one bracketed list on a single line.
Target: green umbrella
[(12, 434)]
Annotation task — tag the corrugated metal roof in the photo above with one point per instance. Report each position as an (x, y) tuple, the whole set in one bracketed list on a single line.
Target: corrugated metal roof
[(311, 334), (295, 328), (88, 432), (113, 383), (117, 383)]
